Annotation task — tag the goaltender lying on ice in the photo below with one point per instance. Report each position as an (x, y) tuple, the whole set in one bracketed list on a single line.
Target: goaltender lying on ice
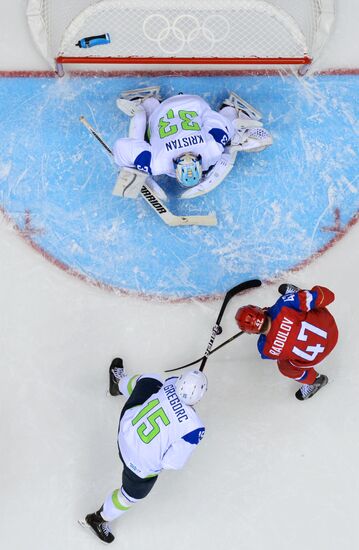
[(185, 139), (166, 216)]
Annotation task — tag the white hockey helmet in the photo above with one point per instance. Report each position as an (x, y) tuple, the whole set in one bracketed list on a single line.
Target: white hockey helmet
[(191, 387), (188, 169)]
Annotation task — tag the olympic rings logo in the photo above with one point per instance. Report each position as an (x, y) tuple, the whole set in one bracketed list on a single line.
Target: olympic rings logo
[(173, 36)]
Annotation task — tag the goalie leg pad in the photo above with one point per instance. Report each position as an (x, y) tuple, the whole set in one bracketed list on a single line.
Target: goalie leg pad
[(130, 100), (244, 122), (129, 182), (143, 93)]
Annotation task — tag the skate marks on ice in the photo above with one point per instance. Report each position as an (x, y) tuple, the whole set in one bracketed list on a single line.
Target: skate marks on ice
[(276, 210)]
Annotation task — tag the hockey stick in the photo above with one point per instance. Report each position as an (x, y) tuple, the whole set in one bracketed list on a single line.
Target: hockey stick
[(210, 353), (217, 327), (253, 283), (153, 201)]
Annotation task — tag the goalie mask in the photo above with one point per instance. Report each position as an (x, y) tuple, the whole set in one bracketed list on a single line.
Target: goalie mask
[(188, 169)]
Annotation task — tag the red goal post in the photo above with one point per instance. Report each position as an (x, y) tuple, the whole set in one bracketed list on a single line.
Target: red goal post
[(181, 32)]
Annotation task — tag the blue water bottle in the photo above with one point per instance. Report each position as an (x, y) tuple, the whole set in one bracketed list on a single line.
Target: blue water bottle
[(90, 41)]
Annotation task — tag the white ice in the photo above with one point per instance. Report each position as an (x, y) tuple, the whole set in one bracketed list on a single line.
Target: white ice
[(271, 474)]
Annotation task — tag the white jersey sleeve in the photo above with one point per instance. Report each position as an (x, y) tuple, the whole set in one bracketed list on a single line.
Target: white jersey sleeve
[(133, 153), (177, 455), (218, 127), (159, 434)]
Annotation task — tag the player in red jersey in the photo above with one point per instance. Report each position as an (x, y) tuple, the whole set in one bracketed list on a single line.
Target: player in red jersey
[(298, 331)]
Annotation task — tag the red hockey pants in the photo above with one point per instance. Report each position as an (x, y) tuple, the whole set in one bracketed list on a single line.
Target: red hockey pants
[(302, 375)]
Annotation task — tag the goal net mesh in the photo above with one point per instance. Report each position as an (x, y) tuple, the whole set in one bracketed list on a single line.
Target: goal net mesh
[(181, 28)]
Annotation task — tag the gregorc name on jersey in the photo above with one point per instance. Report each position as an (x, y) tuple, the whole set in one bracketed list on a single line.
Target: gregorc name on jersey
[(281, 336), (175, 402), (183, 142)]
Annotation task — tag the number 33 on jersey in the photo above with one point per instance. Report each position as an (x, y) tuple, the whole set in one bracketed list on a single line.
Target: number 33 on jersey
[(303, 331)]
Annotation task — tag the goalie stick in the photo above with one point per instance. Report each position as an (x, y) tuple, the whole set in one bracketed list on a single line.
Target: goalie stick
[(153, 200)]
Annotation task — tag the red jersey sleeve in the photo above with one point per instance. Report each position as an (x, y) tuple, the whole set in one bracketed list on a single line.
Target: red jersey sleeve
[(324, 296)]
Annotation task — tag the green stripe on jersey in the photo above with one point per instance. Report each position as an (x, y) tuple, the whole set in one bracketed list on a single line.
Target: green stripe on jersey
[(132, 383)]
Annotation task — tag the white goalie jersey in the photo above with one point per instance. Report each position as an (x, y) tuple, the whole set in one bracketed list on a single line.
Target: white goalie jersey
[(161, 433), (178, 125)]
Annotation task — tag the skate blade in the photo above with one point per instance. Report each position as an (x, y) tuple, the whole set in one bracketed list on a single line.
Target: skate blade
[(85, 525)]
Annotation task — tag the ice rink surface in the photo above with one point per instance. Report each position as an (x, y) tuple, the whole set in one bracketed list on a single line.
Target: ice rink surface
[(272, 473), (275, 210)]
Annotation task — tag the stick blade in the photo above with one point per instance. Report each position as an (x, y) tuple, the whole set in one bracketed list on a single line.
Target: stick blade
[(246, 285), (207, 220)]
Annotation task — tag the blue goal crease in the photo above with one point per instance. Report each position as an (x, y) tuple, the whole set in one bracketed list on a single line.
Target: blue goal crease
[(276, 209)]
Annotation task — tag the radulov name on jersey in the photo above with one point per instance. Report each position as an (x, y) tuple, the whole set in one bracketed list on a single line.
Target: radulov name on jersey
[(175, 402), (281, 337), (179, 143)]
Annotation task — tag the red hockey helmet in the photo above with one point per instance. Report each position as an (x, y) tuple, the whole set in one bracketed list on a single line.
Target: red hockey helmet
[(250, 319)]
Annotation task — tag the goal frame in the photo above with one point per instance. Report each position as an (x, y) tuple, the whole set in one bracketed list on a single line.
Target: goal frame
[(37, 24)]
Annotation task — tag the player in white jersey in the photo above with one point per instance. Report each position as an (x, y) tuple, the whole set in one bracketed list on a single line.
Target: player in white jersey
[(158, 430), (185, 139)]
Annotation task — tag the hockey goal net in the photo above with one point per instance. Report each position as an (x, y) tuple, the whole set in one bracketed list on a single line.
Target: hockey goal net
[(180, 32)]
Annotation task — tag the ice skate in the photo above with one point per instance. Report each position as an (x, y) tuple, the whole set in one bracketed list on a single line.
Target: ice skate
[(287, 288), (308, 390), (130, 100), (116, 372), (241, 106), (98, 526)]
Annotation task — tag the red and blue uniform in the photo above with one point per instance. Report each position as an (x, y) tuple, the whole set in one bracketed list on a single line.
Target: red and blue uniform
[(302, 333)]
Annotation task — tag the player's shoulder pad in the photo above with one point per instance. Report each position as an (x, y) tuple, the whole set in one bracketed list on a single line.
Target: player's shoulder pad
[(194, 437), (173, 379), (284, 301), (323, 296), (143, 162), (153, 376), (219, 135)]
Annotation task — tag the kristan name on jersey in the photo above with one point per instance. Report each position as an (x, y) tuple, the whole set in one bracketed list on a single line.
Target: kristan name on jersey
[(179, 143)]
